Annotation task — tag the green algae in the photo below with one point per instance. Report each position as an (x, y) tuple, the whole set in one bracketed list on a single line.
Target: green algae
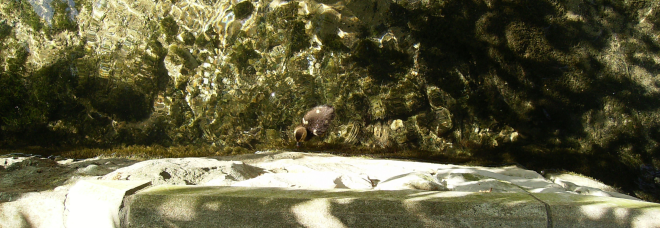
[(24, 9), (79, 4), (294, 36), (205, 39), (242, 55), (382, 63), (283, 14), (5, 30), (169, 27), (188, 38), (243, 9), (16, 64), (184, 57), (472, 177), (37, 98), (62, 21), (297, 38)]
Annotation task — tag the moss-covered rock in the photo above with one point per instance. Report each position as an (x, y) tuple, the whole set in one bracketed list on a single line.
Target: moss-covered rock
[(62, 18), (382, 63), (5, 30), (24, 10), (243, 9), (169, 27)]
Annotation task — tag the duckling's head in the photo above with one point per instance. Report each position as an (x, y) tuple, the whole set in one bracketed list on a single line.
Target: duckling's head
[(301, 135)]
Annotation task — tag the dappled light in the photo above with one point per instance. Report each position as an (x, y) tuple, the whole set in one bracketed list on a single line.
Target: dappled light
[(341, 208), (321, 215)]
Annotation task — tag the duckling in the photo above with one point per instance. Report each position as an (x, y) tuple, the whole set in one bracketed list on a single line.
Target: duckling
[(314, 123)]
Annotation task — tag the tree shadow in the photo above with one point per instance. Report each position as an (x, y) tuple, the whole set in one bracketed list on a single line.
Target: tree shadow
[(277, 207), (571, 77)]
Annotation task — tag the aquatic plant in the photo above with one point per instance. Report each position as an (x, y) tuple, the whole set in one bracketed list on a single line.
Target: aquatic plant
[(24, 10), (5, 30), (243, 9), (62, 20)]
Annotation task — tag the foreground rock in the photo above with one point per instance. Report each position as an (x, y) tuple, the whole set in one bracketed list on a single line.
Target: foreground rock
[(323, 171), (38, 192)]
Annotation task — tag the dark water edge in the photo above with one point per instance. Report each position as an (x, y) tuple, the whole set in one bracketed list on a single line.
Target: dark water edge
[(602, 167)]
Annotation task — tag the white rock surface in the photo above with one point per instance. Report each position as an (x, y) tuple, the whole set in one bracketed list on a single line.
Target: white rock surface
[(324, 171), (319, 171), (415, 180), (97, 203), (33, 190), (185, 171), (34, 209), (312, 180)]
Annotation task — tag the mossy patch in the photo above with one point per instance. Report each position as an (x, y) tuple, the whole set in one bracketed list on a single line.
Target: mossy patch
[(241, 55), (16, 64), (62, 20), (243, 9), (83, 3), (26, 13), (13, 105), (289, 27), (333, 43), (35, 99), (382, 63), (472, 177), (188, 60), (125, 102), (5, 30), (297, 38), (207, 39), (188, 38), (143, 152), (282, 14), (169, 27)]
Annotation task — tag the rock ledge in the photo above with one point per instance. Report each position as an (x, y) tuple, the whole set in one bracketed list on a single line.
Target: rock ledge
[(41, 192)]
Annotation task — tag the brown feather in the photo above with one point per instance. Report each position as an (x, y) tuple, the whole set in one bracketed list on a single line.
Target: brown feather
[(314, 123), (318, 119)]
